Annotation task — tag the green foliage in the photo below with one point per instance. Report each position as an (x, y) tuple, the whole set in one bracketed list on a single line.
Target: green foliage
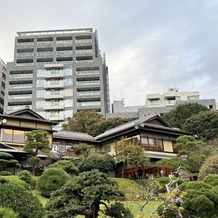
[(37, 140), (15, 180), (203, 124), (163, 181), (7, 213), (210, 166), (177, 116), (129, 153), (81, 121), (197, 185), (20, 200), (101, 161), (51, 180), (34, 162), (66, 165), (172, 163), (3, 180), (118, 210), (25, 175), (200, 201), (5, 173), (7, 160), (211, 179), (83, 196), (100, 127)]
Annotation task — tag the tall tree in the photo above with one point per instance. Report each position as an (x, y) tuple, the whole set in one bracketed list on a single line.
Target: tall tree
[(203, 124), (37, 140), (84, 195), (177, 116), (129, 153), (81, 121)]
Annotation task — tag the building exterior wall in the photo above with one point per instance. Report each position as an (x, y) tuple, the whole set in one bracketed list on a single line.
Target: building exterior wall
[(57, 73), (170, 98), (3, 69)]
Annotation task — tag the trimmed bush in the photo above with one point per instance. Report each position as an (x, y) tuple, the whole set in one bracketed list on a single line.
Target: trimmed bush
[(16, 180), (197, 185), (51, 180), (7, 213), (6, 173), (20, 200), (67, 166), (25, 175), (3, 180), (211, 179)]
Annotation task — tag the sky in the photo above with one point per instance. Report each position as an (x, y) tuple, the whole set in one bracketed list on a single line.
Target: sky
[(150, 45)]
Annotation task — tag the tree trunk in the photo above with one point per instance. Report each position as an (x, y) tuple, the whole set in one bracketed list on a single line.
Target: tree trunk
[(124, 169)]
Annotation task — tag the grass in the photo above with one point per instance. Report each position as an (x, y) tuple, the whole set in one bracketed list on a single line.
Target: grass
[(42, 199)]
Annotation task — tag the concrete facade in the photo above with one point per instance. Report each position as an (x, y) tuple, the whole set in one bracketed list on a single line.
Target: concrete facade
[(57, 73), (3, 69)]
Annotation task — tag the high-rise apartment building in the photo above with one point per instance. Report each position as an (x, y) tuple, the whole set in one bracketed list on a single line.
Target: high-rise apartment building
[(2, 84), (57, 73)]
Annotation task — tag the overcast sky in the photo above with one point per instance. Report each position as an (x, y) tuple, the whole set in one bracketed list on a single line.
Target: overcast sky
[(150, 45)]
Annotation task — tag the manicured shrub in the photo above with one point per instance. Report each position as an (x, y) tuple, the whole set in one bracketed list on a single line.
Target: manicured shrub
[(197, 185), (67, 166), (211, 179), (25, 175), (33, 182), (3, 180), (201, 202), (6, 173), (20, 200), (16, 180), (7, 213), (210, 166), (51, 180)]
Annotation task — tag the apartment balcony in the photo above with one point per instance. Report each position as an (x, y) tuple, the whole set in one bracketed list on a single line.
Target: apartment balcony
[(88, 93), (88, 83), (88, 103), (83, 41), (45, 53), (25, 44), (20, 97), (21, 76), (54, 106), (65, 42), (25, 54), (24, 64), (21, 86), (54, 96), (55, 118), (65, 52), (84, 52), (45, 43), (87, 73), (54, 84), (54, 74)]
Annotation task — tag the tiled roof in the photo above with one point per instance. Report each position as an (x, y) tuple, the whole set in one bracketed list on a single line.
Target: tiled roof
[(125, 126), (74, 135)]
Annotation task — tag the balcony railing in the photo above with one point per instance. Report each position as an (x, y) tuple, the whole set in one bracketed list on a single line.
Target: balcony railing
[(64, 42), (16, 76), (20, 86), (88, 93), (88, 72), (153, 148), (83, 41), (24, 54), (20, 96), (89, 103), (64, 52), (25, 43), (94, 82), (87, 51), (24, 64), (44, 53), (84, 61), (45, 43)]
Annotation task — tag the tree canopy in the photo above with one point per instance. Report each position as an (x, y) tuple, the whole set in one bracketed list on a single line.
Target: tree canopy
[(37, 140), (177, 116), (129, 153), (7, 160), (191, 155), (91, 122), (203, 124), (81, 121), (83, 195)]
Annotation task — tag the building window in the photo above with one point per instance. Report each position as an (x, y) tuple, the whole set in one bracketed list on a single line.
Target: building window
[(9, 135), (107, 148), (152, 143)]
